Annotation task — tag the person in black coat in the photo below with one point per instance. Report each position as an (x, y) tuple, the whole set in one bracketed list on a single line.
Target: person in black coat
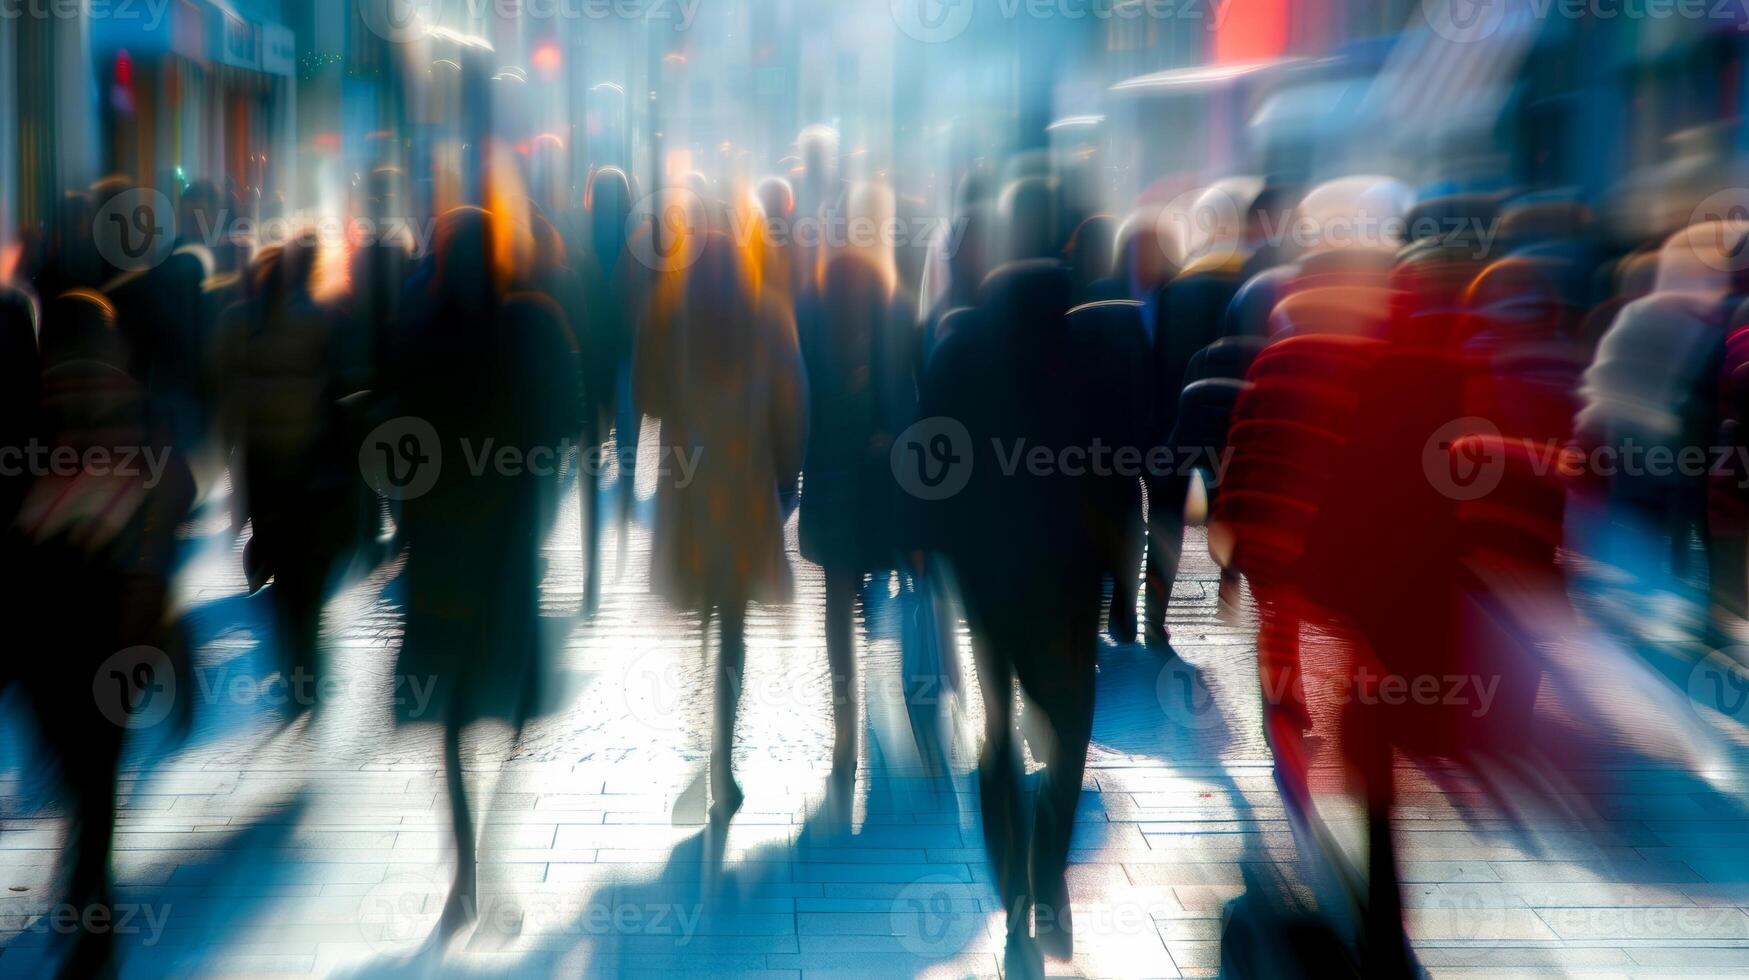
[(1190, 312), (1024, 544), (858, 392), (294, 459), (98, 543), (160, 314), (1110, 342), (377, 270), (475, 637)]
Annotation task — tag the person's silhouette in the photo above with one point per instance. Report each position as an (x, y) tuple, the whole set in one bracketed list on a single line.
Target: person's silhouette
[(474, 637), (721, 370), (98, 544), (294, 461), (1024, 544)]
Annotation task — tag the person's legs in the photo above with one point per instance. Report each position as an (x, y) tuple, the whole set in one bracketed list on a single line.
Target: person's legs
[(626, 423), (1286, 719), (1126, 579), (1228, 605), (1727, 555), (842, 585), (1000, 788), (500, 744), (731, 661), (939, 593), (999, 780), (1367, 737), (924, 668), (1680, 521), (314, 540), (463, 904), (1278, 661), (297, 607), (589, 503), (1165, 549), (1058, 675), (1384, 943), (91, 757)]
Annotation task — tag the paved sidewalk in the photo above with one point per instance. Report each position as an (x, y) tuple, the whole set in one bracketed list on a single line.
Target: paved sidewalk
[(328, 854)]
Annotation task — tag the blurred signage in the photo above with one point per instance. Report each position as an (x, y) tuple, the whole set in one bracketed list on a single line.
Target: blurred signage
[(278, 49), (188, 31), (242, 45)]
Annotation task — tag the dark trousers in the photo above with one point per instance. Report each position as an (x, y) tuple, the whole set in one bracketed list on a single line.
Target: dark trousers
[(304, 538), (842, 586), (1127, 553), (1165, 545), (1049, 647)]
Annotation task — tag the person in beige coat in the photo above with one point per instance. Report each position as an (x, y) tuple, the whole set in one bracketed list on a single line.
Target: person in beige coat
[(718, 365)]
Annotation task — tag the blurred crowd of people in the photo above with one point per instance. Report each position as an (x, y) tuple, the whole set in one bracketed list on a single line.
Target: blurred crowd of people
[(1389, 434)]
